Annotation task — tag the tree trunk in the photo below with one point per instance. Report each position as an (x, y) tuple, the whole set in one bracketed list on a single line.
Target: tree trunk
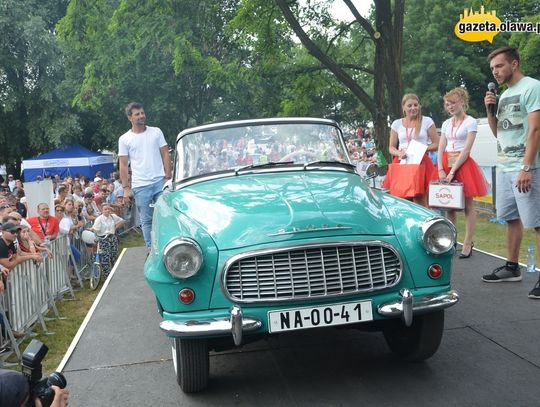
[(388, 86), (387, 35)]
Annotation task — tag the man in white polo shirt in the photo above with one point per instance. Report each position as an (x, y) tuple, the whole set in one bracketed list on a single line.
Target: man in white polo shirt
[(143, 148)]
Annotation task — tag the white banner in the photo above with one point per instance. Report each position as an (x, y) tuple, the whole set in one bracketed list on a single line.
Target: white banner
[(67, 162), (39, 192)]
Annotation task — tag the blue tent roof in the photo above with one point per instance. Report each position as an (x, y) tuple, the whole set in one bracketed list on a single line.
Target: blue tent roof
[(64, 161)]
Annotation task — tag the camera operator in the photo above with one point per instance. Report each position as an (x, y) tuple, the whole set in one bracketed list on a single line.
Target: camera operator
[(15, 391)]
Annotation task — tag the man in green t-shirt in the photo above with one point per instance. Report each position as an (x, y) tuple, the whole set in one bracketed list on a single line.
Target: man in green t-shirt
[(517, 128)]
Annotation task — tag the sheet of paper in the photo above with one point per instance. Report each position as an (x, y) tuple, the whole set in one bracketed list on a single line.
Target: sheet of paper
[(415, 152)]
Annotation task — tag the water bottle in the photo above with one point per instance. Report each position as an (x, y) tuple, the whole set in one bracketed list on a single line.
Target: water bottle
[(531, 259), (46, 243)]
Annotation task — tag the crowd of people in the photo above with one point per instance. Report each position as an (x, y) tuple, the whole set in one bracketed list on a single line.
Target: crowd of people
[(362, 148), (101, 204), (515, 123), (79, 204)]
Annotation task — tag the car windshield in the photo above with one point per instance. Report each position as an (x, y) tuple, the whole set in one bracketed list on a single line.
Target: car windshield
[(234, 148)]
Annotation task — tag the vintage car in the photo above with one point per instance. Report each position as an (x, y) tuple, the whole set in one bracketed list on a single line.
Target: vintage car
[(267, 228)]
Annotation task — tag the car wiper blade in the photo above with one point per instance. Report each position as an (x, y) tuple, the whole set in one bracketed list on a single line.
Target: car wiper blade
[(336, 163), (268, 164)]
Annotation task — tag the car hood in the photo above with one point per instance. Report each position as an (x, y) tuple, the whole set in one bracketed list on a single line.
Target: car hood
[(258, 208)]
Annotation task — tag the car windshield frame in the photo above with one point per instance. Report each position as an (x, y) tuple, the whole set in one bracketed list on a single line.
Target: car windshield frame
[(247, 146)]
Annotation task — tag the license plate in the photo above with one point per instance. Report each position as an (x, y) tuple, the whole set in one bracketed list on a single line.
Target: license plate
[(314, 317)]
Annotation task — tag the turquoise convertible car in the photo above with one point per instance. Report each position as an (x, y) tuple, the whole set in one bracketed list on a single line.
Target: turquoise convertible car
[(267, 228)]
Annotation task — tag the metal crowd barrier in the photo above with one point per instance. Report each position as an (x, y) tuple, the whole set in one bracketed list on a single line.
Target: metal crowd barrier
[(131, 215), (30, 292), (32, 289)]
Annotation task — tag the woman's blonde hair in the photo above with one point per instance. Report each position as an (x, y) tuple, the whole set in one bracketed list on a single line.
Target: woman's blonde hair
[(412, 96), (458, 94), (23, 227)]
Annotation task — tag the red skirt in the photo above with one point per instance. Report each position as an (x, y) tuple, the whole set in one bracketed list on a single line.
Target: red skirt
[(429, 172), (470, 174)]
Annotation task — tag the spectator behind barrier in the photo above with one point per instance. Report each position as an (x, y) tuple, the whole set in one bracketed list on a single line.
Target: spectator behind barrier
[(44, 224), (8, 251), (90, 209)]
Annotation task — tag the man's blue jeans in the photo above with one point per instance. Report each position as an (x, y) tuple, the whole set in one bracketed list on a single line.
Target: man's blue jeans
[(145, 197)]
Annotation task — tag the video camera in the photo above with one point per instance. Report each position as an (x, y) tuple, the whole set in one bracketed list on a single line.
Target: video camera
[(31, 368)]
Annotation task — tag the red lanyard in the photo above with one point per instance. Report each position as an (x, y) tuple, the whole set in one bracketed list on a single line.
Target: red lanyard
[(409, 131), (454, 132), (46, 226)]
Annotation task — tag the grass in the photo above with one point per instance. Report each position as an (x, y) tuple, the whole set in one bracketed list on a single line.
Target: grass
[(489, 237)]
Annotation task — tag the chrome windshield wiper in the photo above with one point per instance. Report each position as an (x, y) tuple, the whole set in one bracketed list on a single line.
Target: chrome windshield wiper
[(265, 165), (323, 163)]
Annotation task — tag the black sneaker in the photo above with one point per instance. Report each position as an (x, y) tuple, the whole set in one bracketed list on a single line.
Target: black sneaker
[(502, 274), (535, 292)]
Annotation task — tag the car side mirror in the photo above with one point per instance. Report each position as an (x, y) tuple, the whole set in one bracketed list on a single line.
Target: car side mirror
[(372, 171)]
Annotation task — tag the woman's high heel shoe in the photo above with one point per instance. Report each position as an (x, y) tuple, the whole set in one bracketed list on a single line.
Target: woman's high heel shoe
[(466, 256)]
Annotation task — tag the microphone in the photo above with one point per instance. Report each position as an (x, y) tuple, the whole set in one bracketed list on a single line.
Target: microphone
[(491, 107)]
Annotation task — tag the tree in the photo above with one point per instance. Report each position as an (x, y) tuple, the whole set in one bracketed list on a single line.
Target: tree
[(435, 60), (529, 48), (386, 34), (33, 117), (174, 57)]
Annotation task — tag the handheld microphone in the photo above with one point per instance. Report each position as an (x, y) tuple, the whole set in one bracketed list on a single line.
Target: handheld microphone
[(491, 107)]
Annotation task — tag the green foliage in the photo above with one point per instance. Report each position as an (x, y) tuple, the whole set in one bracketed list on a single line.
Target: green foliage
[(529, 48), (435, 60), (174, 57), (33, 116), (68, 68)]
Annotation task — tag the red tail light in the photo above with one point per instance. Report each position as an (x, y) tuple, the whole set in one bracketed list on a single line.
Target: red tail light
[(186, 295), (435, 271)]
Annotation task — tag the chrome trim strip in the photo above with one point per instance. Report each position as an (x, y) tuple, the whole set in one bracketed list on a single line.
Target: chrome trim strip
[(279, 249), (256, 122), (319, 229), (425, 303)]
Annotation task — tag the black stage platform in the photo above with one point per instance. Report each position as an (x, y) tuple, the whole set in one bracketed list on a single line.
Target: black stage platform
[(490, 355)]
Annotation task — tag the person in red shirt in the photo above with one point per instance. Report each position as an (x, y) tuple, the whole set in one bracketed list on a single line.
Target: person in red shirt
[(44, 224)]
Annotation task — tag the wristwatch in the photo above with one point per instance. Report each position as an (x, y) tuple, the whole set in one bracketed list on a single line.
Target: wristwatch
[(525, 168)]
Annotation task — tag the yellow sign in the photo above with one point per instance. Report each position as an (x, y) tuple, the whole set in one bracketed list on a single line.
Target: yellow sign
[(476, 26)]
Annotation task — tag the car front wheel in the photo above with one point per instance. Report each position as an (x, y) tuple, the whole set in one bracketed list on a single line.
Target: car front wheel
[(191, 363), (418, 342)]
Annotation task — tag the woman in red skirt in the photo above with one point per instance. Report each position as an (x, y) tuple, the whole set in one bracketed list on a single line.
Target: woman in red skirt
[(413, 126), (455, 163)]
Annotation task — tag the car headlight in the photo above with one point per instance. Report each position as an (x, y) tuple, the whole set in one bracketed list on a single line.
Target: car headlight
[(182, 258), (438, 235)]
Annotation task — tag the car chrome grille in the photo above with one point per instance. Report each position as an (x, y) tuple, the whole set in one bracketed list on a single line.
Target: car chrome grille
[(309, 272)]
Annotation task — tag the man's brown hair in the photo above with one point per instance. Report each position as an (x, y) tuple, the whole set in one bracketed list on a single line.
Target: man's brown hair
[(510, 53), (131, 106)]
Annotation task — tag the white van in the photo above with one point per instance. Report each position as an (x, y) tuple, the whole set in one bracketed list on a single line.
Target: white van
[(484, 150)]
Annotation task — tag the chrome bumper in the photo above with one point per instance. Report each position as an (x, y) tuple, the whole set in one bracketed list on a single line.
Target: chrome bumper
[(236, 324), (409, 305)]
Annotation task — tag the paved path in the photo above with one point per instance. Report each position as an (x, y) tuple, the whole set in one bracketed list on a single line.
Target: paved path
[(490, 355)]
